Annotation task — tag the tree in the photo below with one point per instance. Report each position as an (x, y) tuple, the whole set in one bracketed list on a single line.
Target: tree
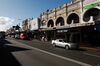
[(17, 27)]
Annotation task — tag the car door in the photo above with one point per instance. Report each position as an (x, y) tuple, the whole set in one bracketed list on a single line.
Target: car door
[(56, 42), (61, 43)]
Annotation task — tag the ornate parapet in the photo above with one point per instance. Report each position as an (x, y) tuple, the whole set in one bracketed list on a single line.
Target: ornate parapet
[(74, 14)]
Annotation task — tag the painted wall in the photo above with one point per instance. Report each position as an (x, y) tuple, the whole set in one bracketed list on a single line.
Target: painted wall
[(87, 2)]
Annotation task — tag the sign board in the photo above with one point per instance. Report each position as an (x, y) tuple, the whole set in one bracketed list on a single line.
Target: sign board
[(88, 4), (60, 31), (34, 24), (97, 27)]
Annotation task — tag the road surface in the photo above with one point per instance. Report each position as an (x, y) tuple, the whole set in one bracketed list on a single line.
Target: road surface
[(35, 53)]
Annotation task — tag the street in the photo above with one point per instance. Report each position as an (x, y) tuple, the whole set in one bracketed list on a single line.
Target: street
[(17, 52), (50, 33)]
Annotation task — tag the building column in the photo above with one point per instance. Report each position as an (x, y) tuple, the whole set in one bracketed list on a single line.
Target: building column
[(55, 31)]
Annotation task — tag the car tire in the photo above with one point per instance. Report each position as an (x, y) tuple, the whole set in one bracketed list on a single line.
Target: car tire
[(67, 47)]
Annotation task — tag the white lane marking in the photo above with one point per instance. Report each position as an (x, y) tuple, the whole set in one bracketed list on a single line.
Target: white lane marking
[(92, 55), (65, 58)]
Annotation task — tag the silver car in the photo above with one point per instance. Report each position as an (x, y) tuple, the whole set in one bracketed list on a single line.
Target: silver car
[(62, 43)]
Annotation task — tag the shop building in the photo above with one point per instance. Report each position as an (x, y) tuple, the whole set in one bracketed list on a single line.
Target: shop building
[(76, 21), (34, 27)]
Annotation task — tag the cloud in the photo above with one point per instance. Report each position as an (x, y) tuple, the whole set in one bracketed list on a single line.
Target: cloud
[(5, 20), (5, 23)]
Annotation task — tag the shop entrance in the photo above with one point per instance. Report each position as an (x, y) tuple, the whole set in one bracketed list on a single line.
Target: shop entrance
[(90, 36), (70, 35), (73, 35), (50, 35)]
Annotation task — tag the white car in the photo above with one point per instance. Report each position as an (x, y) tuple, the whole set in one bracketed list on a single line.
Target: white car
[(62, 43)]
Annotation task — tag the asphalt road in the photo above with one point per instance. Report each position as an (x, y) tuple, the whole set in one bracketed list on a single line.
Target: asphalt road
[(37, 53)]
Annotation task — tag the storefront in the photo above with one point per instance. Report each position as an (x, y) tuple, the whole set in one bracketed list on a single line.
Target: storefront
[(70, 35)]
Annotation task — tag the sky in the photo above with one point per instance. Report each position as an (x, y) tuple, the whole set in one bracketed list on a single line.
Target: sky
[(13, 12)]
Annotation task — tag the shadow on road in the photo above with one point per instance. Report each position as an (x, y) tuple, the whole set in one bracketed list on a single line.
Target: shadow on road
[(6, 57)]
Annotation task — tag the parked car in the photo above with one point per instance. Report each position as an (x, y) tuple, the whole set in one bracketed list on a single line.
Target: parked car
[(2, 35), (66, 45), (17, 36), (23, 36), (2, 39)]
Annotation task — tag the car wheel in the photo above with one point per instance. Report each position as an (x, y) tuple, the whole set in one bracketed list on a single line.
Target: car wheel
[(54, 44), (67, 47)]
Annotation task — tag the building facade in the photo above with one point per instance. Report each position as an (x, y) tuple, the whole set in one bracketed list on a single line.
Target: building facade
[(25, 24), (34, 27), (72, 21)]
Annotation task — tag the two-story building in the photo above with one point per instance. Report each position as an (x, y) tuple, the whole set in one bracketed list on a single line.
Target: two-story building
[(34, 27), (76, 21)]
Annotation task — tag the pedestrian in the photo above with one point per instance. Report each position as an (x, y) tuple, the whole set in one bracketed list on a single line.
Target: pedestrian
[(42, 38)]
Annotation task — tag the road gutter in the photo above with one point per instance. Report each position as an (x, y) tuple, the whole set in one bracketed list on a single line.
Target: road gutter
[(92, 55)]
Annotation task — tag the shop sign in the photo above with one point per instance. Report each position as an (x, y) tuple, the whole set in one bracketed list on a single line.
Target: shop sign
[(87, 2), (91, 6), (60, 31), (34, 24), (97, 27), (65, 30)]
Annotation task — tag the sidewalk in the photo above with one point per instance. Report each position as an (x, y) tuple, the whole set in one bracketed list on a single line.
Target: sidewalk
[(92, 51), (88, 47)]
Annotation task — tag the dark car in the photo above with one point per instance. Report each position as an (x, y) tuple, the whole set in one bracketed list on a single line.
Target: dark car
[(17, 36), (2, 38), (2, 35)]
